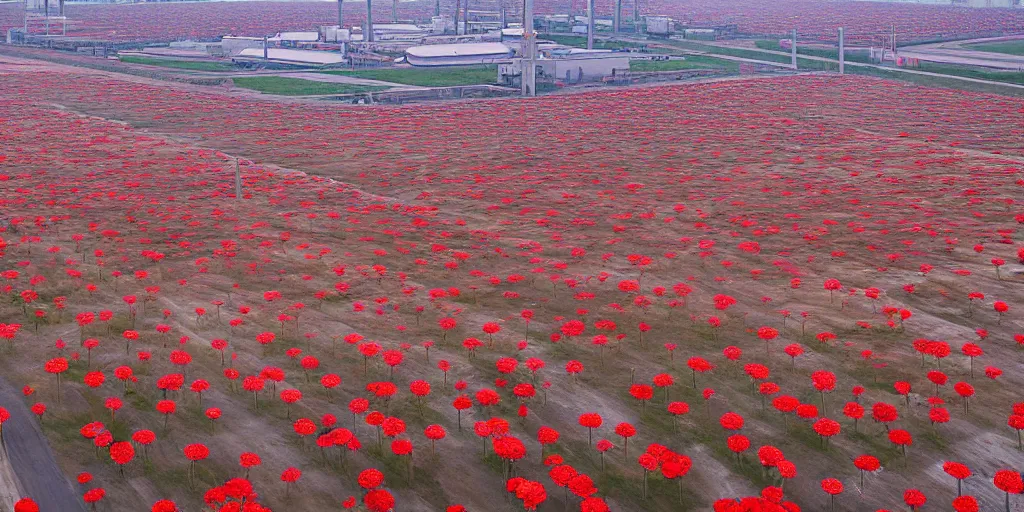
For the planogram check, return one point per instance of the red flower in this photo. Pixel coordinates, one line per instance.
(370, 478)
(832, 486)
(196, 452)
(914, 498)
(965, 504)
(590, 420)
(547, 435)
(867, 463)
(956, 470)
(731, 421)
(1008, 481)
(26, 505)
(94, 495)
(379, 500)
(122, 452)
(738, 443)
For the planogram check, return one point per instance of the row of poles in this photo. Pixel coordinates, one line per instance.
(842, 49)
(616, 23)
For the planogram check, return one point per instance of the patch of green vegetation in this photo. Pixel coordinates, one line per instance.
(1015, 47)
(429, 77)
(933, 81)
(691, 62)
(1012, 77)
(285, 86)
(662, 494)
(179, 64)
(581, 42)
(756, 55)
(851, 56)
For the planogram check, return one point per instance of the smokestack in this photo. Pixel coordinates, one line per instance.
(617, 20)
(458, 7)
(528, 75)
(369, 22)
(590, 24)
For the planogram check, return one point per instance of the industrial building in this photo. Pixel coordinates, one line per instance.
(458, 54)
(568, 66)
(290, 57)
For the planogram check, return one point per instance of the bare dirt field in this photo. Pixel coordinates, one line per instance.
(567, 255)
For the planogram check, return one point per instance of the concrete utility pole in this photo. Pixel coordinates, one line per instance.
(458, 7)
(465, 19)
(842, 52)
(369, 22)
(590, 24)
(238, 176)
(503, 25)
(394, 11)
(529, 77)
(340, 19)
(894, 43)
(793, 49)
(265, 51)
(617, 19)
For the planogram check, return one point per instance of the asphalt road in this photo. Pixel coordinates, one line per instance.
(30, 456)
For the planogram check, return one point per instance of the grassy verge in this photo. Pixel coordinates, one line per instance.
(931, 81)
(755, 55)
(1007, 47)
(179, 64)
(691, 62)
(814, 52)
(1011, 77)
(430, 77)
(297, 87)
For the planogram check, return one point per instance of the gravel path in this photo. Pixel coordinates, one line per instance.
(29, 455)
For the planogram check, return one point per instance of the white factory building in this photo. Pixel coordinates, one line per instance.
(458, 54)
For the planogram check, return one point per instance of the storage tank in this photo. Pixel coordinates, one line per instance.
(659, 25)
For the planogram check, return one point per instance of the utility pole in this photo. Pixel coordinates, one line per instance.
(894, 43)
(617, 19)
(842, 52)
(636, 16)
(529, 77)
(238, 178)
(369, 22)
(465, 20)
(265, 51)
(340, 19)
(793, 49)
(394, 11)
(458, 7)
(590, 24)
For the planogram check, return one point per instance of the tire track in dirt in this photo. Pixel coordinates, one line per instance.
(30, 456)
